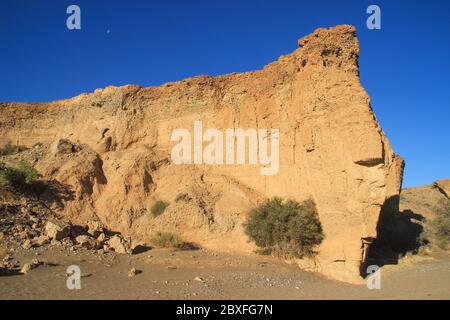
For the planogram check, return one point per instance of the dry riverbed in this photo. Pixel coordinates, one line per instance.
(203, 274)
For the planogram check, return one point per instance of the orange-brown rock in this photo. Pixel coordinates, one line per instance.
(112, 147)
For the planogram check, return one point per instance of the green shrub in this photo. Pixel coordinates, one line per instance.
(19, 177)
(167, 240)
(440, 226)
(9, 148)
(288, 229)
(158, 208)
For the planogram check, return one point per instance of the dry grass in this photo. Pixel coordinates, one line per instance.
(9, 148)
(19, 177)
(167, 240)
(440, 225)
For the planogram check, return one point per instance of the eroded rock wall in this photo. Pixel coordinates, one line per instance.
(332, 149)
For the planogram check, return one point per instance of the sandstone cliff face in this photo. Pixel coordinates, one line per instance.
(331, 149)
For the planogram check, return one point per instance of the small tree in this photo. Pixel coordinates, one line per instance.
(289, 228)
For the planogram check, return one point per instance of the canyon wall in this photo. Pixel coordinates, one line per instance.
(332, 150)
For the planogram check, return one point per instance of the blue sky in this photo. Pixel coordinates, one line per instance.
(405, 66)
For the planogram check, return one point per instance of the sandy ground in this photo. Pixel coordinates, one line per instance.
(202, 274)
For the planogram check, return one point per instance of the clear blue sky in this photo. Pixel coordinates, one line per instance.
(405, 66)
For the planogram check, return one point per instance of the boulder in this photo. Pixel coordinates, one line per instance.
(62, 146)
(119, 245)
(27, 267)
(95, 228)
(88, 242)
(101, 237)
(57, 230)
(41, 240)
(27, 244)
(133, 272)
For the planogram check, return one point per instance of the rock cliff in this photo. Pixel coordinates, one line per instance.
(112, 148)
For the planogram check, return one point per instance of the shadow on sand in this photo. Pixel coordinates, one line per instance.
(398, 233)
